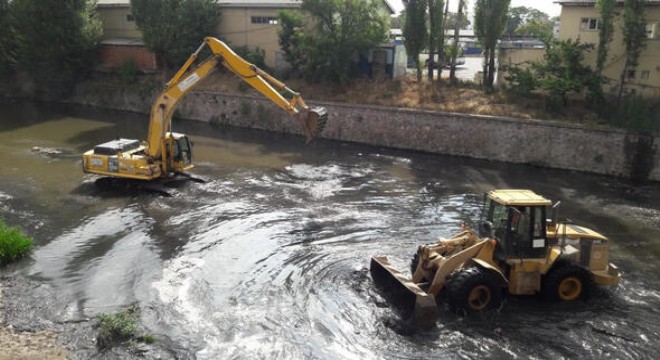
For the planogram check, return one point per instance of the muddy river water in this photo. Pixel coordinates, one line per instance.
(269, 258)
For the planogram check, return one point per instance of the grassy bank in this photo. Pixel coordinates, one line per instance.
(13, 243)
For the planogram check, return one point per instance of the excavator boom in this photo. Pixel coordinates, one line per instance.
(186, 79)
(164, 153)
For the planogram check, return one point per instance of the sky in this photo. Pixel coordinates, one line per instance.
(547, 6)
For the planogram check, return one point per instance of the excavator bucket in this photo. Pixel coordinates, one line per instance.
(415, 304)
(314, 122)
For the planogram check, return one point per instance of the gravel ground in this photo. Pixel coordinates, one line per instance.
(17, 345)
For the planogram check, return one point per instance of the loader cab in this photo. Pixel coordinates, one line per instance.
(179, 151)
(516, 219)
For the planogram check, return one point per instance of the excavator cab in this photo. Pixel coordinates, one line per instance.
(178, 151)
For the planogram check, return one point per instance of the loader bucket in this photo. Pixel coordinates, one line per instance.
(314, 122)
(415, 304)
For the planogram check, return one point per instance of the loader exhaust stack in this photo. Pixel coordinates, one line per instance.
(415, 304)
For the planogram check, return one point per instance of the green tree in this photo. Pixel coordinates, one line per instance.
(173, 29)
(7, 40)
(490, 21)
(291, 38)
(539, 28)
(634, 34)
(343, 30)
(561, 72)
(455, 46)
(414, 31)
(55, 42)
(457, 19)
(522, 15)
(605, 9)
(436, 36)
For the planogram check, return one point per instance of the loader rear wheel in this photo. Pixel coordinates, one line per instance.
(566, 283)
(472, 290)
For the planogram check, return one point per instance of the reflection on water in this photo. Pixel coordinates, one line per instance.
(269, 258)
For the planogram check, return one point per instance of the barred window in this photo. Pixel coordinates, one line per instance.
(269, 20)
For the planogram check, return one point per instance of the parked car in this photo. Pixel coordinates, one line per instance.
(446, 62)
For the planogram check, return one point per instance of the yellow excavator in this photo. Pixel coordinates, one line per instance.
(517, 251)
(166, 154)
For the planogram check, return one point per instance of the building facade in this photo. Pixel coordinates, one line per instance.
(580, 20)
(250, 23)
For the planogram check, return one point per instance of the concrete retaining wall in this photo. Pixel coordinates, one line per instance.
(542, 143)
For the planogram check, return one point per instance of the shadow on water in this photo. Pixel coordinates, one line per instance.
(269, 258)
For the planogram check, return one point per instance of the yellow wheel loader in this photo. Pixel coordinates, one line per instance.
(517, 250)
(166, 154)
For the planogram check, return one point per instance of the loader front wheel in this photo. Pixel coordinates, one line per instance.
(566, 283)
(472, 290)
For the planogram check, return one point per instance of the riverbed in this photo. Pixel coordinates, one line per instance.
(269, 258)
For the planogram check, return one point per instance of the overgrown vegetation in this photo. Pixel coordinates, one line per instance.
(53, 42)
(128, 71)
(635, 113)
(13, 243)
(119, 328)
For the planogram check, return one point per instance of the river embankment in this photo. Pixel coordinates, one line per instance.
(543, 143)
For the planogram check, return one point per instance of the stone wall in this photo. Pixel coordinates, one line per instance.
(542, 143)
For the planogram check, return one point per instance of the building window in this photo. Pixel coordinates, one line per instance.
(650, 30)
(588, 24)
(645, 74)
(130, 17)
(268, 20)
(630, 74)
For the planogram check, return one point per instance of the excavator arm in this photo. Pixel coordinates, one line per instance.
(313, 120)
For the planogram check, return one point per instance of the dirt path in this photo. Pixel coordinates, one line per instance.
(26, 345)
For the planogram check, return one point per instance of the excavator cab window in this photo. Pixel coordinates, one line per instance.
(181, 151)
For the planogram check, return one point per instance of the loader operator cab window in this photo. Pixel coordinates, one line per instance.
(527, 232)
(493, 220)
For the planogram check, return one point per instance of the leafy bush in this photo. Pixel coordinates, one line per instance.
(120, 327)
(636, 113)
(521, 79)
(561, 72)
(128, 71)
(13, 243)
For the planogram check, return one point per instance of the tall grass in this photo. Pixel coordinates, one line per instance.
(120, 327)
(637, 113)
(13, 243)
